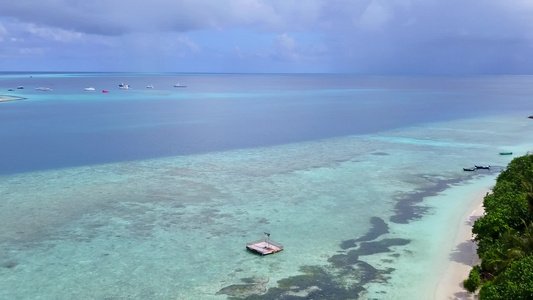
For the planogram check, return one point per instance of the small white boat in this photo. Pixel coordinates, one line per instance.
(89, 89)
(179, 85)
(124, 86)
(150, 86)
(44, 89)
(20, 87)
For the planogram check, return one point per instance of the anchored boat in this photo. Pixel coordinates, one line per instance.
(124, 86)
(483, 167)
(44, 89)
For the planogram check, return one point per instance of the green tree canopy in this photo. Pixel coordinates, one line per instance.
(504, 236)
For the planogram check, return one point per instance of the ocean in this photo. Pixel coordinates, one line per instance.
(153, 193)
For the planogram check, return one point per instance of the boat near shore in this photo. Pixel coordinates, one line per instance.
(177, 85)
(483, 167)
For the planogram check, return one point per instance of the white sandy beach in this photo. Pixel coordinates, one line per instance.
(463, 256)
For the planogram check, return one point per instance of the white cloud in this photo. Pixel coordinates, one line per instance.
(371, 33)
(184, 40)
(286, 47)
(31, 51)
(238, 52)
(3, 32)
(54, 34)
(285, 42)
(375, 15)
(113, 17)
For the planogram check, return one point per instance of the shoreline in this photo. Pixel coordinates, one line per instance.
(463, 256)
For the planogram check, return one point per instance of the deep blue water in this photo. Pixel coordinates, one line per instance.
(72, 127)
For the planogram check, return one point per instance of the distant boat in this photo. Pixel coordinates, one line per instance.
(20, 87)
(506, 153)
(150, 86)
(9, 89)
(179, 85)
(483, 167)
(124, 86)
(44, 89)
(89, 89)
(469, 169)
(104, 91)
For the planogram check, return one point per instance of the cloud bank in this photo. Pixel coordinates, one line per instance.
(363, 36)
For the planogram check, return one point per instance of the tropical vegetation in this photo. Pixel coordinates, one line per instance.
(504, 236)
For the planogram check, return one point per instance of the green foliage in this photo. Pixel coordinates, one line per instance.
(488, 229)
(514, 283)
(506, 209)
(517, 171)
(505, 236)
(494, 261)
(474, 280)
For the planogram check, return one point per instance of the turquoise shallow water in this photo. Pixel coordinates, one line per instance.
(362, 215)
(176, 227)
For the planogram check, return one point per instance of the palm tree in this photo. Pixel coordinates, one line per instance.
(527, 183)
(522, 243)
(515, 245)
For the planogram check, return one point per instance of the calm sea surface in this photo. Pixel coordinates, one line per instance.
(152, 193)
(72, 127)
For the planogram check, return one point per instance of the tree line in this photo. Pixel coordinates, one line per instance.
(504, 236)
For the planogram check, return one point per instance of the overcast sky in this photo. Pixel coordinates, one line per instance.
(354, 36)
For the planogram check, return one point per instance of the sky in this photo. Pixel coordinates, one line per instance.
(374, 37)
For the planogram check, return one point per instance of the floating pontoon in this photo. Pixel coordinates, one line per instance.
(264, 246)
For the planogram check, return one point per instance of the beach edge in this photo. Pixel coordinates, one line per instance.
(464, 254)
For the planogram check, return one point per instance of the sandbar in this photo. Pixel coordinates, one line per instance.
(5, 98)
